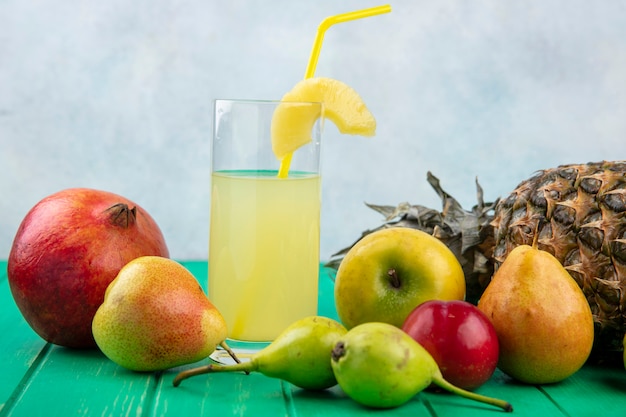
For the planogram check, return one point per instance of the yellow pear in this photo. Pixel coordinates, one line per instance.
(542, 319)
(156, 316)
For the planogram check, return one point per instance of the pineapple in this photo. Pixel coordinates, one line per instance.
(579, 213)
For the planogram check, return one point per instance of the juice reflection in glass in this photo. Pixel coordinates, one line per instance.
(264, 231)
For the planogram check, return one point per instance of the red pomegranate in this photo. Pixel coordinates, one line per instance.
(67, 250)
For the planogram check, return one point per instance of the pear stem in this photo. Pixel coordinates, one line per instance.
(230, 352)
(246, 367)
(535, 243)
(212, 367)
(442, 383)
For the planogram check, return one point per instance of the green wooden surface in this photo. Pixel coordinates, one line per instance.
(38, 379)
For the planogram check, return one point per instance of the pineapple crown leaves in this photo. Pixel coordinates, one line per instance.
(460, 229)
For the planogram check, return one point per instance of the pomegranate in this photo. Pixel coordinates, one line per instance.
(67, 250)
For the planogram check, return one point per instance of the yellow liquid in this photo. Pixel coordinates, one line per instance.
(263, 251)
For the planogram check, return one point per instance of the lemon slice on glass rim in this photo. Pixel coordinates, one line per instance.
(292, 122)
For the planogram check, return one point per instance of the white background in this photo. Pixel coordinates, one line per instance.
(117, 95)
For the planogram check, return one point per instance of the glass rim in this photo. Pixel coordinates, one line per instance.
(264, 101)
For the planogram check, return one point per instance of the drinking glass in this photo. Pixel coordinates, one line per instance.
(264, 230)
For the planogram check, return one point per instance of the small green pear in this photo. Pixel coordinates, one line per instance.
(541, 316)
(379, 365)
(299, 355)
(156, 316)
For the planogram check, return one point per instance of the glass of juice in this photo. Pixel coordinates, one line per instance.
(264, 229)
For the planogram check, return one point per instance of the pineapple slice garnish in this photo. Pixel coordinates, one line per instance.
(292, 124)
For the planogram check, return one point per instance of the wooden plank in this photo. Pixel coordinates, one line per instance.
(71, 382)
(20, 346)
(526, 400)
(334, 402)
(219, 395)
(595, 390)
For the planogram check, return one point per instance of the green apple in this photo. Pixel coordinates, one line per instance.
(389, 272)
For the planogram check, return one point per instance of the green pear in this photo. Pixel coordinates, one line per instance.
(379, 365)
(541, 316)
(156, 316)
(299, 355)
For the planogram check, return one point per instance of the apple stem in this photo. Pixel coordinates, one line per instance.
(394, 278)
(442, 383)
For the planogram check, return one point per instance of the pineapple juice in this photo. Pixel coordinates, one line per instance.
(264, 250)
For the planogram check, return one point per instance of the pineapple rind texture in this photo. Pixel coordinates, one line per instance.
(579, 212)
